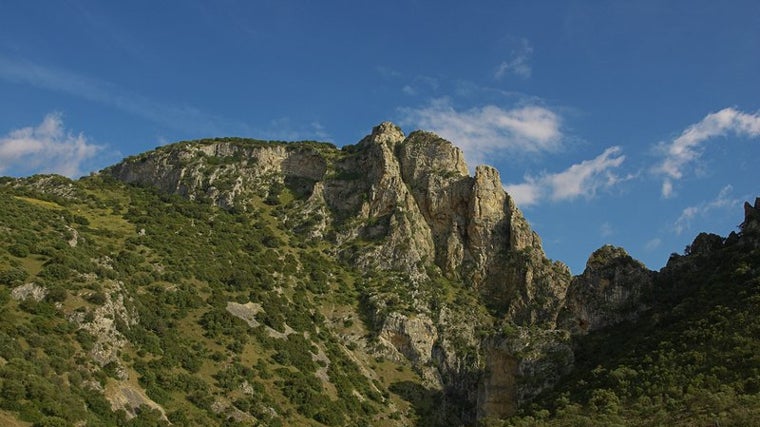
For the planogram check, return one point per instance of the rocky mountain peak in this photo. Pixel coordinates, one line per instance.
(385, 133)
(425, 153)
(606, 256)
(405, 206)
(614, 287)
(751, 217)
(343, 268)
(411, 195)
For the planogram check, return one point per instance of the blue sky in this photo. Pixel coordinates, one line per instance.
(630, 123)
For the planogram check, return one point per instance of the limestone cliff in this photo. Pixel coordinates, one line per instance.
(223, 170)
(412, 195)
(401, 204)
(377, 284)
(522, 362)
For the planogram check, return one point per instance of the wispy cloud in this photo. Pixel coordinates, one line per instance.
(684, 221)
(45, 148)
(105, 93)
(686, 148)
(723, 201)
(528, 193)
(388, 72)
(606, 230)
(421, 84)
(486, 130)
(652, 244)
(285, 129)
(518, 63)
(582, 179)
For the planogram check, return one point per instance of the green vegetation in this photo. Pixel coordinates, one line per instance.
(163, 269)
(255, 314)
(694, 359)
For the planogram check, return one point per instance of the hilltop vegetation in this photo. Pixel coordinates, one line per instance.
(693, 359)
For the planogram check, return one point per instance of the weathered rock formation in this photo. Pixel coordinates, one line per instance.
(521, 363)
(751, 223)
(29, 290)
(411, 194)
(614, 287)
(441, 268)
(402, 204)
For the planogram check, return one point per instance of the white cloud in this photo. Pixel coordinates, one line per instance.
(606, 230)
(420, 84)
(582, 179)
(526, 194)
(686, 149)
(285, 129)
(45, 148)
(518, 62)
(684, 221)
(653, 244)
(59, 80)
(483, 131)
(724, 200)
(387, 72)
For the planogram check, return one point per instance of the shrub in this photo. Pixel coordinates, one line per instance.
(56, 294)
(19, 250)
(97, 298)
(12, 276)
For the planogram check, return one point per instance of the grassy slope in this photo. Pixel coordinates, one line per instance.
(691, 360)
(188, 353)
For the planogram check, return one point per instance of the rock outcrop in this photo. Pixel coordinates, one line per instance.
(331, 272)
(126, 396)
(614, 287)
(411, 195)
(395, 203)
(751, 223)
(223, 170)
(29, 290)
(102, 322)
(521, 363)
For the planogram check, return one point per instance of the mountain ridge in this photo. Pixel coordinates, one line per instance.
(433, 277)
(417, 187)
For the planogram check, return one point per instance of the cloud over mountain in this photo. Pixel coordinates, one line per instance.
(483, 131)
(686, 149)
(582, 179)
(45, 148)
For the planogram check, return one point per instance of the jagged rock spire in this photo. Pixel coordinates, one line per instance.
(385, 133)
(751, 216)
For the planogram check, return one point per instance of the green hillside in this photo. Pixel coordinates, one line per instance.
(693, 359)
(158, 275)
(202, 302)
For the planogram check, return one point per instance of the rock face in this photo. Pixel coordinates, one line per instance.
(614, 287)
(29, 290)
(751, 224)
(102, 324)
(401, 204)
(130, 398)
(521, 364)
(412, 194)
(221, 170)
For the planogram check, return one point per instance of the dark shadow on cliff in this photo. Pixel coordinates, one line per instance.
(428, 404)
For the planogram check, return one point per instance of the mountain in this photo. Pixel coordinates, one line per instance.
(234, 281)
